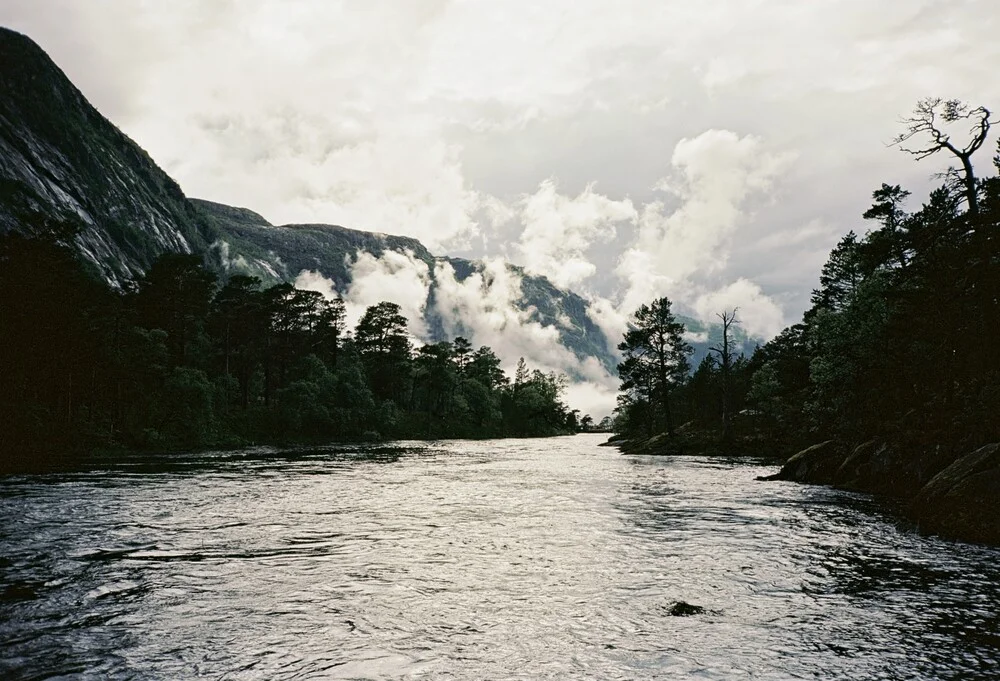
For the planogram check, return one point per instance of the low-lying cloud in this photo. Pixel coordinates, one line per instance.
(400, 278)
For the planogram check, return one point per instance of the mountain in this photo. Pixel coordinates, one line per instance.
(61, 159)
(61, 162)
(247, 243)
(253, 245)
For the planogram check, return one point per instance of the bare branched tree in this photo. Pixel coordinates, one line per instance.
(726, 358)
(926, 134)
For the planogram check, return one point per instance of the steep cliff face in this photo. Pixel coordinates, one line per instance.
(60, 159)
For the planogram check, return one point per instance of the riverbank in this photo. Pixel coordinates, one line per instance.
(69, 459)
(955, 495)
(691, 440)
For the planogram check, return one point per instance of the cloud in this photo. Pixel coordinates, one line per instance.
(434, 119)
(717, 179)
(310, 280)
(485, 308)
(558, 231)
(759, 315)
(714, 175)
(399, 278)
(596, 399)
(609, 319)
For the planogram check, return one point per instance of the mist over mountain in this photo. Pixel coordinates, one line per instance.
(62, 161)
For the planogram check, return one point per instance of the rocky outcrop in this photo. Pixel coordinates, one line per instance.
(957, 498)
(694, 439)
(62, 161)
(816, 464)
(963, 500)
(889, 468)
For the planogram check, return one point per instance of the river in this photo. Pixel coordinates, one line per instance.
(516, 559)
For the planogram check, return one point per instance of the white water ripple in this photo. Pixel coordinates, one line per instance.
(517, 559)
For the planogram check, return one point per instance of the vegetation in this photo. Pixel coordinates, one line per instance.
(183, 361)
(655, 365)
(898, 343)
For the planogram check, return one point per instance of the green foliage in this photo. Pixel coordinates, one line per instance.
(182, 363)
(655, 364)
(898, 340)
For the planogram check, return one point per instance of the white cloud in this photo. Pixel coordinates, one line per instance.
(609, 319)
(679, 253)
(399, 278)
(484, 306)
(759, 315)
(430, 118)
(558, 231)
(714, 175)
(308, 280)
(596, 399)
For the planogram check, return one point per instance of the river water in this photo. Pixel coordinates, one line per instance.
(517, 559)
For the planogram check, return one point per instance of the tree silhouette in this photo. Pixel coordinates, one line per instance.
(927, 126)
(655, 357)
(726, 357)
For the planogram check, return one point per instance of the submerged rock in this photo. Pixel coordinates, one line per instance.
(682, 609)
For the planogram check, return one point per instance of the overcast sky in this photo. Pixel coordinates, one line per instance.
(713, 151)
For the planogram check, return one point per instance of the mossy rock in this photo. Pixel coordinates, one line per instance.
(963, 500)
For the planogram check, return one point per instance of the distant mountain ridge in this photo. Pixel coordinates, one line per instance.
(250, 244)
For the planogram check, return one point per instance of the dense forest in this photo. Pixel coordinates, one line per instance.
(900, 341)
(183, 360)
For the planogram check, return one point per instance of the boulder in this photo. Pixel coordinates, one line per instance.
(657, 445)
(817, 464)
(855, 472)
(963, 500)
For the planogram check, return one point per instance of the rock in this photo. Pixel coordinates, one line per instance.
(856, 468)
(682, 609)
(898, 469)
(817, 464)
(660, 444)
(963, 500)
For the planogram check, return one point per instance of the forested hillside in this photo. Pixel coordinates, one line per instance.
(186, 361)
(892, 373)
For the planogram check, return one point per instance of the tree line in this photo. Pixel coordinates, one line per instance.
(184, 360)
(900, 340)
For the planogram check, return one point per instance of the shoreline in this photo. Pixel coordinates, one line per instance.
(953, 496)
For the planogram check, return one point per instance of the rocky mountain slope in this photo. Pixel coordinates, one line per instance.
(61, 159)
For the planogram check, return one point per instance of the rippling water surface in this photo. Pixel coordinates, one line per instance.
(476, 560)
